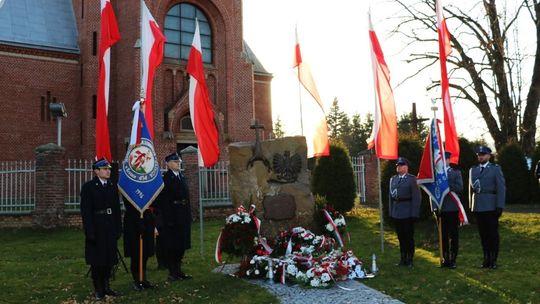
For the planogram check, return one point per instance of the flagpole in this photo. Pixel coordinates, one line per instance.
(141, 253)
(300, 103)
(437, 213)
(299, 82)
(381, 220)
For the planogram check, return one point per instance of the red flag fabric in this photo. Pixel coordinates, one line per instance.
(152, 43)
(109, 35)
(202, 115)
(450, 134)
(384, 136)
(315, 119)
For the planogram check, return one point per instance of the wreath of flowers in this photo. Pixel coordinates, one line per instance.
(335, 224)
(294, 256)
(237, 237)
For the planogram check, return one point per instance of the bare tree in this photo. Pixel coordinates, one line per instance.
(486, 65)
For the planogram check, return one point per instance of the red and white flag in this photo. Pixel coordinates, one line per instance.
(200, 107)
(316, 129)
(109, 35)
(450, 134)
(152, 42)
(384, 136)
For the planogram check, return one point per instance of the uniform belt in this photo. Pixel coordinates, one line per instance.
(180, 202)
(402, 199)
(487, 192)
(107, 211)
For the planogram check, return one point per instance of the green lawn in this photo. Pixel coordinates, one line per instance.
(48, 267)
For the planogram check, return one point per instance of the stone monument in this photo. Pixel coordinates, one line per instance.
(272, 175)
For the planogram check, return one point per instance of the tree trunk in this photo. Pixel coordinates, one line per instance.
(528, 128)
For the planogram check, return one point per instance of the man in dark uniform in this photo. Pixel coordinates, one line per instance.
(134, 228)
(450, 217)
(174, 219)
(100, 212)
(537, 171)
(488, 189)
(404, 208)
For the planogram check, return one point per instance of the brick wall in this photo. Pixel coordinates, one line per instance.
(371, 178)
(27, 74)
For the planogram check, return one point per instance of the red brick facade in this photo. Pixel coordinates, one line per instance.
(29, 78)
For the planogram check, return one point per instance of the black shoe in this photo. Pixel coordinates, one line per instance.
(493, 265)
(100, 295)
(173, 278)
(108, 291)
(184, 276)
(111, 292)
(147, 285)
(137, 286)
(451, 265)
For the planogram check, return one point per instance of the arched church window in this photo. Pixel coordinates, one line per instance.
(179, 30)
(185, 123)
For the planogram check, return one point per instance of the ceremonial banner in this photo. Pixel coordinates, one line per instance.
(450, 133)
(384, 136)
(432, 176)
(140, 180)
(200, 107)
(152, 43)
(316, 131)
(108, 36)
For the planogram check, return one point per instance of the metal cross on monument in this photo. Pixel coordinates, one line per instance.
(257, 149)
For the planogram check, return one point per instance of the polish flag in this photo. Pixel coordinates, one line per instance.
(152, 41)
(450, 134)
(200, 107)
(384, 136)
(313, 111)
(109, 35)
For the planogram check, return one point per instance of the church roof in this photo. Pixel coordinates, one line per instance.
(257, 65)
(48, 25)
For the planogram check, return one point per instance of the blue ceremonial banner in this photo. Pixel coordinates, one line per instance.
(140, 180)
(432, 176)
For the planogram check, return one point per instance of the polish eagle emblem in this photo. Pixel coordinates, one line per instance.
(287, 167)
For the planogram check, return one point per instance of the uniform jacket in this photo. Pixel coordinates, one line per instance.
(455, 181)
(134, 226)
(173, 212)
(404, 197)
(100, 212)
(488, 188)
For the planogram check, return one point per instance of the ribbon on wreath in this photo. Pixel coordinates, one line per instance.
(254, 217)
(336, 231)
(217, 253)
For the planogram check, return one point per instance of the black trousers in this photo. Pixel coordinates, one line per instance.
(100, 272)
(488, 227)
(450, 234)
(405, 233)
(160, 252)
(134, 266)
(173, 259)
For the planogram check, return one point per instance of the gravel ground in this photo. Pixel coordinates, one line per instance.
(360, 293)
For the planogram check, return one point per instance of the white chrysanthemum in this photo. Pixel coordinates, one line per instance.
(340, 221)
(292, 270)
(329, 227)
(310, 273)
(325, 277)
(248, 272)
(252, 261)
(247, 220)
(257, 272)
(315, 282)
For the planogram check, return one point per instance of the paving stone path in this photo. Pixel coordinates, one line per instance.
(360, 293)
